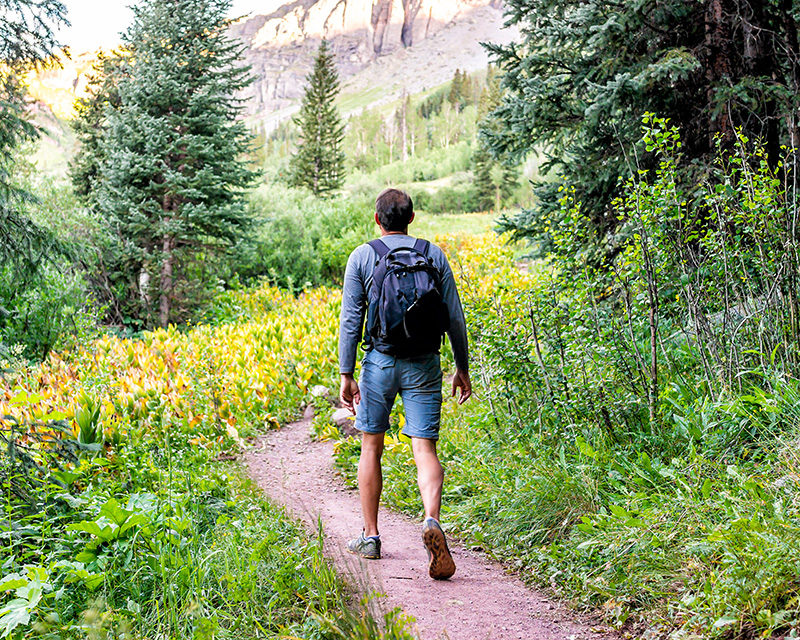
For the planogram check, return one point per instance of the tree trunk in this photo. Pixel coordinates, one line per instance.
(792, 54)
(653, 400)
(165, 301)
(719, 66)
(404, 125)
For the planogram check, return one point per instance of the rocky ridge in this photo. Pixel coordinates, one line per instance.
(380, 46)
(382, 49)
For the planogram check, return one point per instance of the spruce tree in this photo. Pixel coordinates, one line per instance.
(318, 164)
(456, 94)
(170, 180)
(27, 41)
(583, 75)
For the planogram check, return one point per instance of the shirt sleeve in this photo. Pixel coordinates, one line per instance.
(351, 320)
(458, 325)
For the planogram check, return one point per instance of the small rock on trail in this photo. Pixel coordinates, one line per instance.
(480, 602)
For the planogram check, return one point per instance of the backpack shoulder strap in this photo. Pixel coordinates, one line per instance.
(422, 246)
(380, 246)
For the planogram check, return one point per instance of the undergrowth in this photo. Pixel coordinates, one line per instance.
(122, 517)
(632, 445)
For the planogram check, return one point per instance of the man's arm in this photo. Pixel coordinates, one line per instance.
(351, 322)
(457, 332)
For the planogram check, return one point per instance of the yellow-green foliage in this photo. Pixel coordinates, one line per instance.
(210, 380)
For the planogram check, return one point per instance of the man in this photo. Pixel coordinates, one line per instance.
(417, 379)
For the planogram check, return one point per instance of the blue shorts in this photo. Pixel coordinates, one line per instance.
(419, 383)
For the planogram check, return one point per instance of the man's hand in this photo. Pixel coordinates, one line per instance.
(349, 393)
(461, 381)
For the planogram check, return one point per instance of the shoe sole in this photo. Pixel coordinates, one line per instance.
(441, 565)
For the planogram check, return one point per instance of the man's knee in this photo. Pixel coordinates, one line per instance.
(372, 445)
(423, 446)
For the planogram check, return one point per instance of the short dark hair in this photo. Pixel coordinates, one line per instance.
(394, 209)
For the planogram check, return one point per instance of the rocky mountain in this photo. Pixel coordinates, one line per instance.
(382, 47)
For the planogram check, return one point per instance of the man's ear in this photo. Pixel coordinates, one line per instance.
(378, 222)
(413, 215)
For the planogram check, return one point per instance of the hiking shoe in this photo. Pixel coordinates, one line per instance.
(369, 548)
(440, 563)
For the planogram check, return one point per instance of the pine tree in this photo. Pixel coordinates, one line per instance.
(457, 90)
(585, 73)
(27, 40)
(318, 164)
(494, 180)
(170, 180)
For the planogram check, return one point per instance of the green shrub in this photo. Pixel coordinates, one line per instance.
(51, 310)
(153, 536)
(301, 241)
(50, 305)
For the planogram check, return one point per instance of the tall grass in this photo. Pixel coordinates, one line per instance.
(122, 518)
(685, 524)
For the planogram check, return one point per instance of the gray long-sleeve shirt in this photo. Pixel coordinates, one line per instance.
(357, 282)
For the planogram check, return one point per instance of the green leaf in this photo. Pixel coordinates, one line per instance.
(12, 582)
(725, 621)
(12, 615)
(67, 477)
(706, 489)
(90, 555)
(90, 526)
(114, 512)
(619, 512)
(585, 448)
(23, 398)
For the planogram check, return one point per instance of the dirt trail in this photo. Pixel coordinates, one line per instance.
(480, 602)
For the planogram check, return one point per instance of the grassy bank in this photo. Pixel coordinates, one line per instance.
(122, 518)
(688, 527)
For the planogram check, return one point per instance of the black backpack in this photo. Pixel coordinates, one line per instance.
(406, 316)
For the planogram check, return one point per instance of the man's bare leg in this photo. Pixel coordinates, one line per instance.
(430, 476)
(370, 480)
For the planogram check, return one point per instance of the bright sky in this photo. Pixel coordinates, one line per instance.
(99, 24)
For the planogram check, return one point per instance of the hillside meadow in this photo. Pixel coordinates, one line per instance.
(124, 514)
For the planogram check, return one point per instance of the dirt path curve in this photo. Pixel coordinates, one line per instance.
(480, 602)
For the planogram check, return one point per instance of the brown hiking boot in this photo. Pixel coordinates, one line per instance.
(440, 563)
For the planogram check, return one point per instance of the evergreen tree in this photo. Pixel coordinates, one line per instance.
(318, 164)
(456, 94)
(584, 74)
(169, 178)
(461, 90)
(494, 179)
(27, 41)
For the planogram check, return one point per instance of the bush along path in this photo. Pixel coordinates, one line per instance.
(120, 517)
(482, 601)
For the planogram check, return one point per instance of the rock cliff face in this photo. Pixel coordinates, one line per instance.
(282, 45)
(382, 47)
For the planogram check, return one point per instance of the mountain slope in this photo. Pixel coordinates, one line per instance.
(381, 47)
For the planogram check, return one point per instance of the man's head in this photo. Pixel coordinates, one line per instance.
(394, 210)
